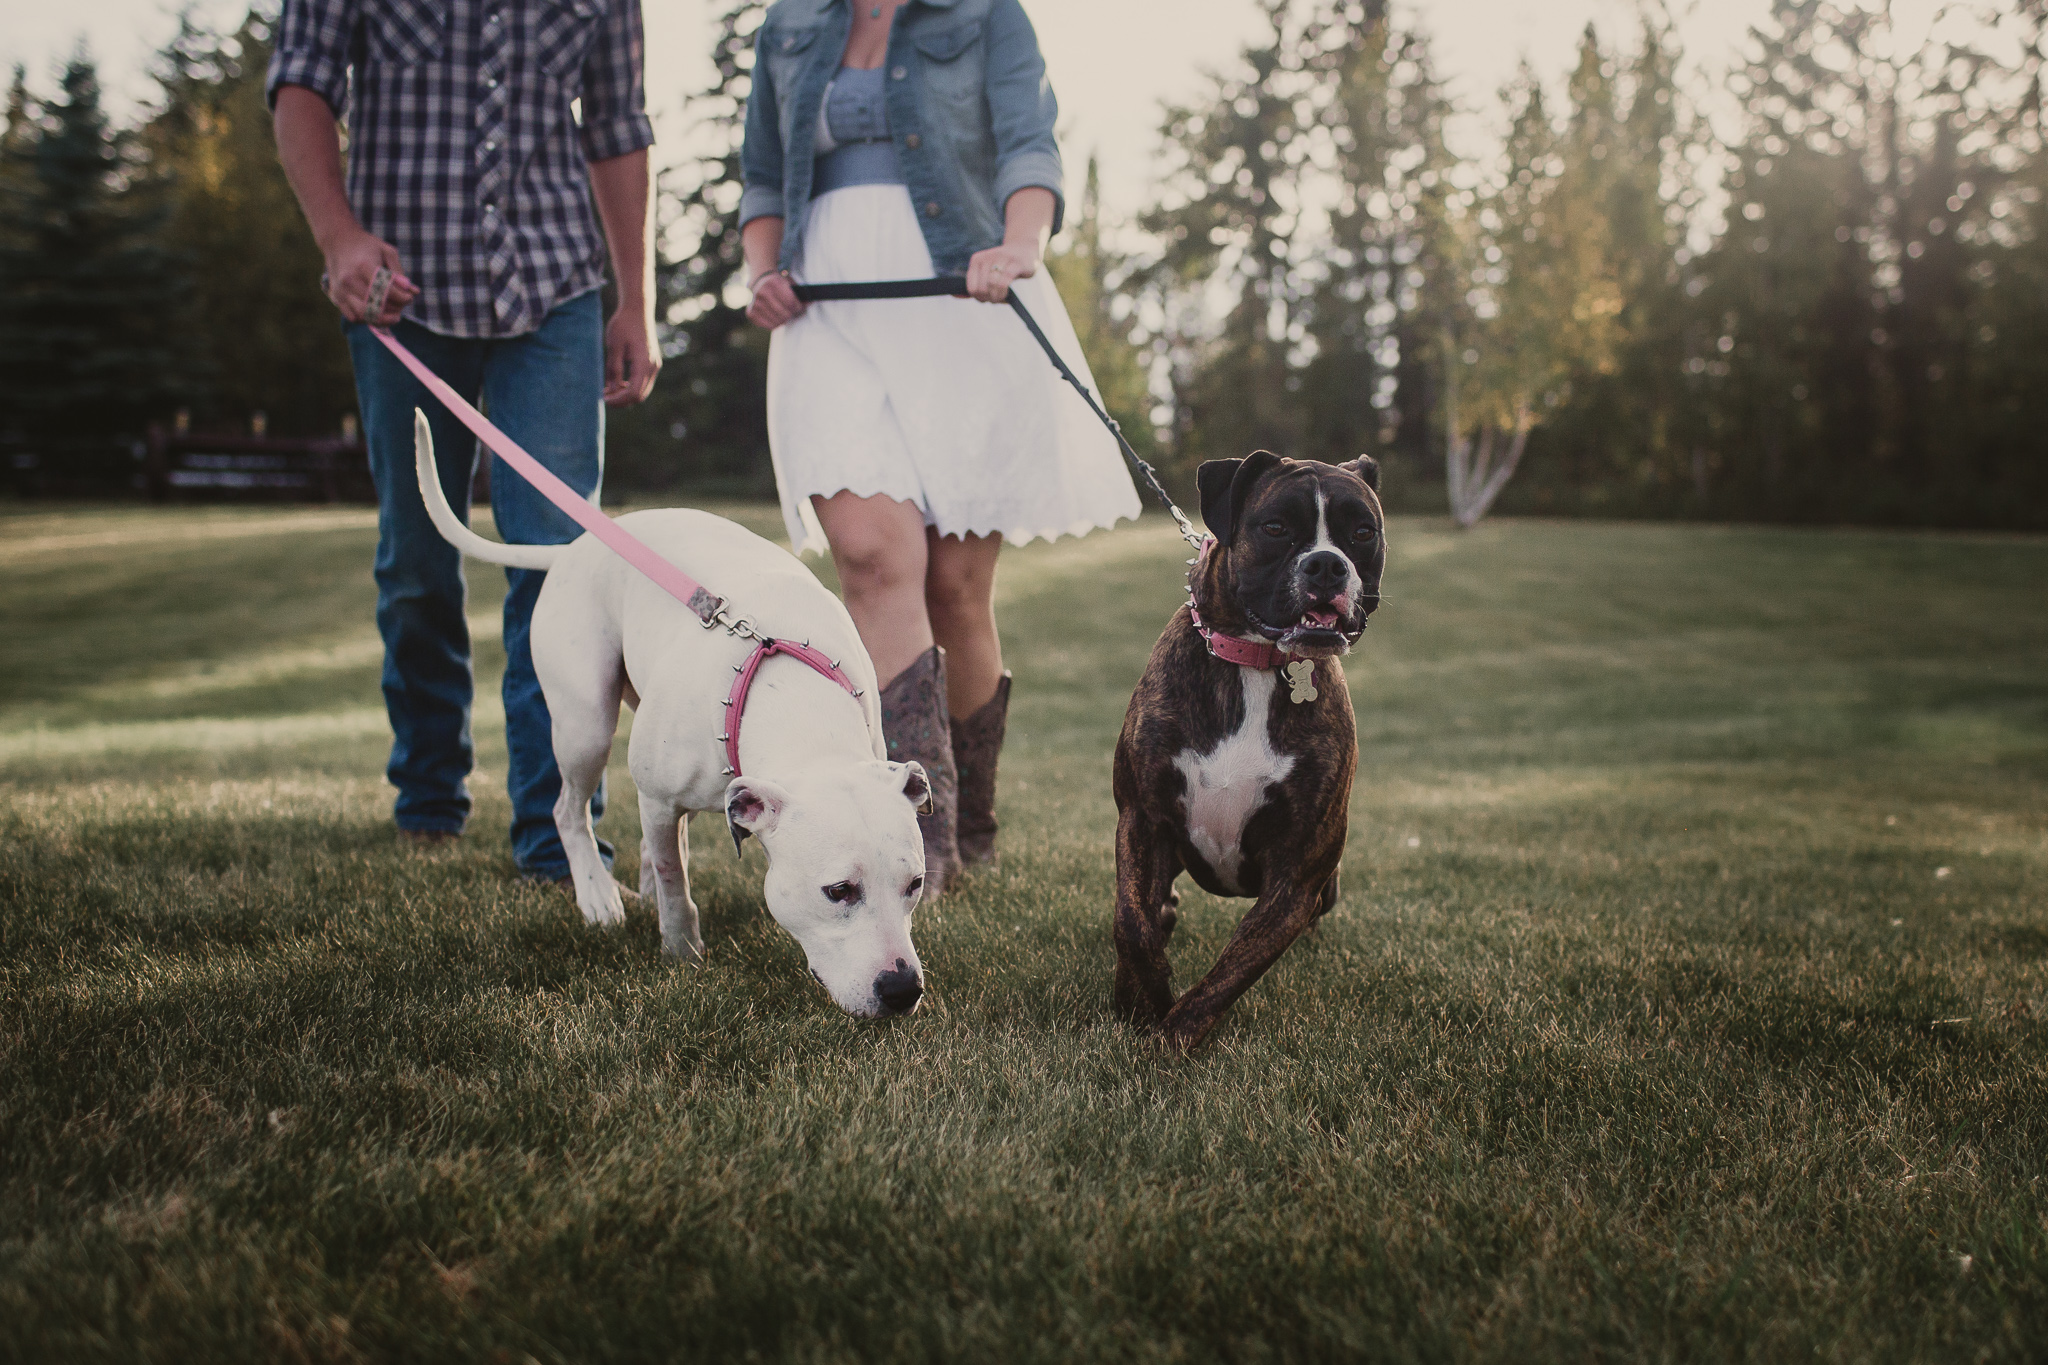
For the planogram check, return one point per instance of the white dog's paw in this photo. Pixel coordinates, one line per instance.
(688, 951)
(602, 905)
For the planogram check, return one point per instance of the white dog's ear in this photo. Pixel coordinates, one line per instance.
(752, 806)
(917, 787)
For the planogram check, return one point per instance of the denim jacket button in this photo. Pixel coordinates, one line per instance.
(913, 141)
(932, 209)
(899, 73)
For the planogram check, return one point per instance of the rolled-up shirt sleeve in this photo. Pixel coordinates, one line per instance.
(312, 50)
(1023, 110)
(615, 120)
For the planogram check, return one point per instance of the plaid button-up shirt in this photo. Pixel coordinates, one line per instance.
(465, 151)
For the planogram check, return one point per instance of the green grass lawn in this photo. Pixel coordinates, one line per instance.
(1688, 998)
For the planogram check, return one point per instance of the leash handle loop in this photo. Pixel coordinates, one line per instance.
(943, 286)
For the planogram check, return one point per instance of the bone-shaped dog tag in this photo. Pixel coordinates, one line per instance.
(1301, 676)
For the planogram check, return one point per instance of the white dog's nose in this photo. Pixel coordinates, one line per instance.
(899, 989)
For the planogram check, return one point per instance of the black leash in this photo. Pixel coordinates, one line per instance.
(956, 286)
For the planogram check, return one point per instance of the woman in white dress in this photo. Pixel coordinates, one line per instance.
(887, 141)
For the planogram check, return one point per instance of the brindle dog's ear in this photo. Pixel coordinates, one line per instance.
(1224, 486)
(1367, 468)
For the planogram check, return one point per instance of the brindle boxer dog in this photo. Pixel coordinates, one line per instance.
(1237, 754)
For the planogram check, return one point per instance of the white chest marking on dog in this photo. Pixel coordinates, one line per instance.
(1227, 785)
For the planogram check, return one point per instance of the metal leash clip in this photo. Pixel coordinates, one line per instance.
(741, 628)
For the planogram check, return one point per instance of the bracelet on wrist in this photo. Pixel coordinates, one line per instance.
(755, 283)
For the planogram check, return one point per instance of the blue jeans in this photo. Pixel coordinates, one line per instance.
(546, 390)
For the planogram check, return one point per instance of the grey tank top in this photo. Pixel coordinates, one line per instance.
(854, 145)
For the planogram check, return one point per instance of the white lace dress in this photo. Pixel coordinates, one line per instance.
(945, 403)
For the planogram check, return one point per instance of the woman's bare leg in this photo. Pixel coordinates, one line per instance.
(959, 599)
(878, 546)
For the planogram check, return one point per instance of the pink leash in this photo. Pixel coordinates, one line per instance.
(704, 604)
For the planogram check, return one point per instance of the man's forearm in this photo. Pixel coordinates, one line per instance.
(623, 187)
(309, 146)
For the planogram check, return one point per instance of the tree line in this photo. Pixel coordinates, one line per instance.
(1836, 313)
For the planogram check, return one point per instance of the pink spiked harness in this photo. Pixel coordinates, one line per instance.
(705, 605)
(743, 683)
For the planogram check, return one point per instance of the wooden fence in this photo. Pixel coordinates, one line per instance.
(196, 467)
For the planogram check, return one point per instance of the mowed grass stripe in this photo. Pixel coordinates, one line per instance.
(1688, 1000)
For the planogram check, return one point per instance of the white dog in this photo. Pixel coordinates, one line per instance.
(839, 822)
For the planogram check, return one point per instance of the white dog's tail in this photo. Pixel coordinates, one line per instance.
(450, 525)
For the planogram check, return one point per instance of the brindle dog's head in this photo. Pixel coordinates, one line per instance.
(1300, 546)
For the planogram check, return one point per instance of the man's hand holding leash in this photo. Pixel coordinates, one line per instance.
(365, 279)
(310, 148)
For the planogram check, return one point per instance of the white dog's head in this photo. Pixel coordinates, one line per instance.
(845, 869)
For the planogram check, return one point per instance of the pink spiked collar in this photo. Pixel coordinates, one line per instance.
(1233, 650)
(1229, 648)
(736, 704)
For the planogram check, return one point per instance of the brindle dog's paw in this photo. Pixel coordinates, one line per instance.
(1133, 1004)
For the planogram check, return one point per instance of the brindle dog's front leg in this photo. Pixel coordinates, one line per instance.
(1146, 865)
(1275, 921)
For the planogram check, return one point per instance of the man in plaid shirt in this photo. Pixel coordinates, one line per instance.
(480, 133)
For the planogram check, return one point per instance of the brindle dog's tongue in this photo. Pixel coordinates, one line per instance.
(1327, 620)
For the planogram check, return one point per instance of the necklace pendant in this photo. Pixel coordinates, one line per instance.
(875, 13)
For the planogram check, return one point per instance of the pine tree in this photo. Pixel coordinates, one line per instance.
(1367, 382)
(1877, 207)
(1617, 436)
(1091, 276)
(14, 140)
(1229, 230)
(88, 298)
(17, 144)
(261, 335)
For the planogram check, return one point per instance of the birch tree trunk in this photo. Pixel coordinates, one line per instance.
(1473, 476)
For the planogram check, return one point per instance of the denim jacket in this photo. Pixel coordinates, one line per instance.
(969, 108)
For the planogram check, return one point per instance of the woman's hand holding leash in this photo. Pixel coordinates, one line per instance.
(775, 301)
(1027, 227)
(990, 273)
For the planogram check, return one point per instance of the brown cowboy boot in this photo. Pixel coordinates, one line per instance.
(917, 728)
(976, 743)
